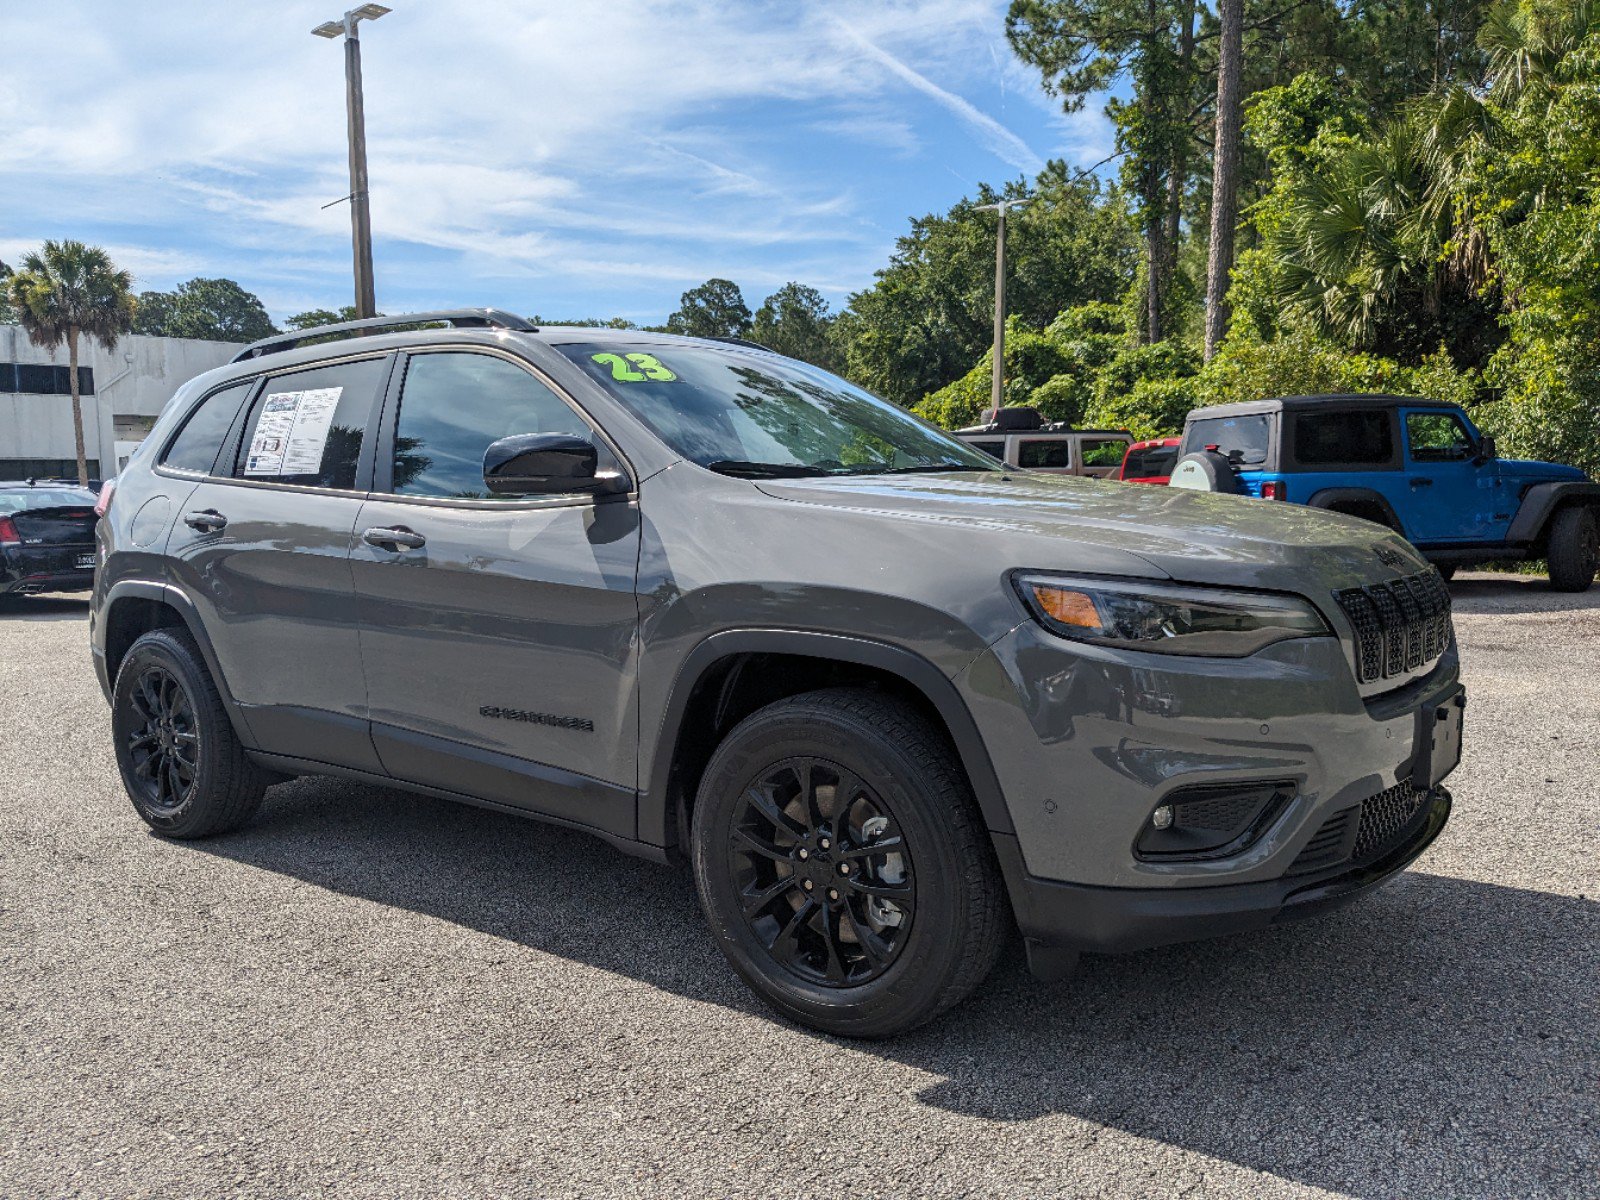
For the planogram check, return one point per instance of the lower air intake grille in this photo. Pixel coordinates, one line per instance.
(1330, 845)
(1383, 817)
(1400, 625)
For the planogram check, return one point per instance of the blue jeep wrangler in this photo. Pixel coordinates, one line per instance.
(1418, 466)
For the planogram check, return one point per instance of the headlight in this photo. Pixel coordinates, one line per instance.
(1168, 620)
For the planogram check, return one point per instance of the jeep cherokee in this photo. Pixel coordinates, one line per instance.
(886, 695)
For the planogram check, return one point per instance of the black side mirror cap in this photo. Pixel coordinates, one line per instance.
(547, 464)
(1487, 451)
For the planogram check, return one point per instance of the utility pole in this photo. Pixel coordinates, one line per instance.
(999, 371)
(355, 113)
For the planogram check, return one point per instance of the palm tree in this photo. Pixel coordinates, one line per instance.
(67, 290)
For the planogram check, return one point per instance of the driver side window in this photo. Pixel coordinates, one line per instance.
(452, 406)
(1437, 437)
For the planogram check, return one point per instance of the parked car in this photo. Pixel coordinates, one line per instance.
(1021, 437)
(46, 537)
(1418, 467)
(884, 694)
(1149, 461)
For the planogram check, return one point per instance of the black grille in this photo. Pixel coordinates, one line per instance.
(1399, 625)
(1223, 813)
(1383, 817)
(1330, 845)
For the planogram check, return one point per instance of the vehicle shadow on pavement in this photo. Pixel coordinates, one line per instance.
(44, 608)
(1437, 1038)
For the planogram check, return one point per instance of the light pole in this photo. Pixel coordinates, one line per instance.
(999, 371)
(360, 213)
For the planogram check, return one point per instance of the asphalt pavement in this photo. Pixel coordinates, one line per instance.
(367, 993)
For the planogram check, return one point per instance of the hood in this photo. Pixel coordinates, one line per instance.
(1045, 522)
(1527, 468)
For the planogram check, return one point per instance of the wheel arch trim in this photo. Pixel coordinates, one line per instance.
(1540, 502)
(174, 598)
(1328, 497)
(657, 818)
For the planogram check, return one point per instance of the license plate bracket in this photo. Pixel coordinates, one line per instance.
(1438, 740)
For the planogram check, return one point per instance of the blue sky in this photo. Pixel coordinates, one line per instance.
(565, 159)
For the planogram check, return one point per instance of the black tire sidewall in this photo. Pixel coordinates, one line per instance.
(173, 654)
(1571, 528)
(912, 988)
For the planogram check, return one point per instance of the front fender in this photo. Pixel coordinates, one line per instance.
(1542, 499)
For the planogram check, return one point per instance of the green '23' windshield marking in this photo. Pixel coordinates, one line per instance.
(634, 368)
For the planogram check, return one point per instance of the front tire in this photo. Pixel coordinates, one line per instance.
(181, 763)
(842, 864)
(1574, 552)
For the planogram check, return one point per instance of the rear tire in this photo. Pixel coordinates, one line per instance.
(181, 763)
(827, 932)
(1574, 552)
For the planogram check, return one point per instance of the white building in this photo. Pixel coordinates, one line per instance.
(124, 390)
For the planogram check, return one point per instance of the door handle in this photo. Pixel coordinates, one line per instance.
(396, 537)
(207, 520)
(1422, 483)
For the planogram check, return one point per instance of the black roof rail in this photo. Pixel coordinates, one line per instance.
(745, 342)
(460, 318)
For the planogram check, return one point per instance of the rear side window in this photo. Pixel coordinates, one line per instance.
(306, 428)
(196, 446)
(1437, 437)
(1037, 452)
(1250, 435)
(1105, 453)
(453, 406)
(1360, 437)
(996, 447)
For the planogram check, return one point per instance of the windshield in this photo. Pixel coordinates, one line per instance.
(758, 415)
(25, 498)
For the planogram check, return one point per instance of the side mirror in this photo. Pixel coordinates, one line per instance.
(1487, 451)
(546, 464)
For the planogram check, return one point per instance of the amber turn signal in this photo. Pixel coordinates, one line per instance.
(1067, 607)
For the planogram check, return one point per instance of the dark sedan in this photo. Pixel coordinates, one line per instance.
(46, 538)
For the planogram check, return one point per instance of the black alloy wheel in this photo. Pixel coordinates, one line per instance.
(823, 872)
(163, 741)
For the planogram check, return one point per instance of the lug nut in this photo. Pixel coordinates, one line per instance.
(844, 868)
(833, 893)
(804, 854)
(807, 884)
(824, 843)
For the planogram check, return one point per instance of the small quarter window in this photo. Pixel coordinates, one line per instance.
(1104, 453)
(196, 446)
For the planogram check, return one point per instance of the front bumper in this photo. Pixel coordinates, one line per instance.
(1075, 917)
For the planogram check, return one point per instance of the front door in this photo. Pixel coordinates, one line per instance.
(1453, 496)
(499, 636)
(262, 547)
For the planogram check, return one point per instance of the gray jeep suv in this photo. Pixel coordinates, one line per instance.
(886, 695)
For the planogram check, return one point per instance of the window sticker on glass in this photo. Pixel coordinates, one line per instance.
(635, 368)
(292, 432)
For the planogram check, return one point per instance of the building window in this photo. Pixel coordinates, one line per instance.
(44, 379)
(45, 468)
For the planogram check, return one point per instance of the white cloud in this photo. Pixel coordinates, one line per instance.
(642, 139)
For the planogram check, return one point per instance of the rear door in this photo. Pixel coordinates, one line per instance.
(262, 546)
(499, 642)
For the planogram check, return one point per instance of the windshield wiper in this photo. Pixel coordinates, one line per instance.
(938, 466)
(760, 470)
